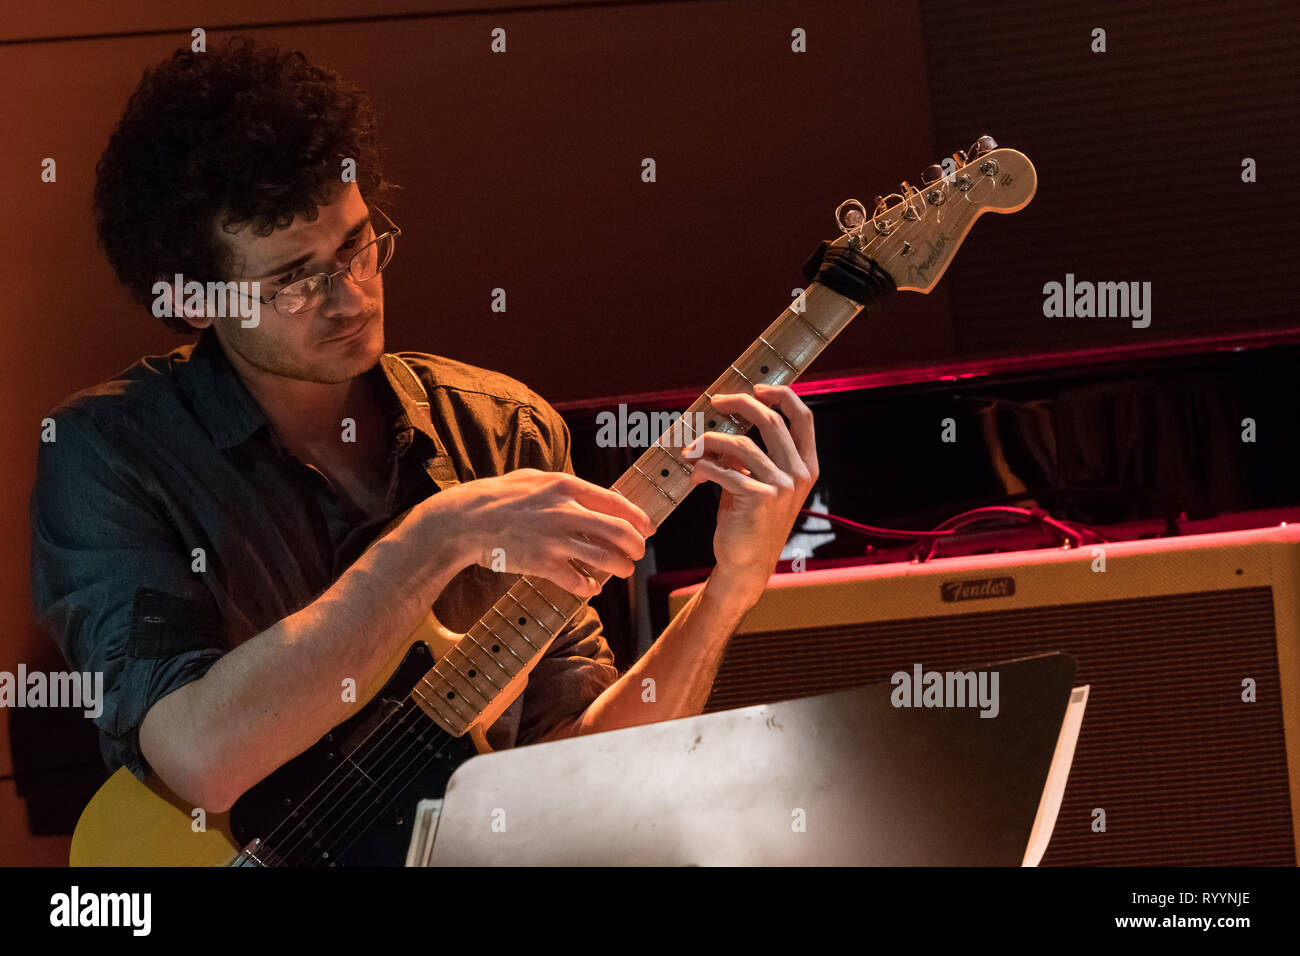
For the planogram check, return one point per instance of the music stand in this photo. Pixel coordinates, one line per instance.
(837, 779)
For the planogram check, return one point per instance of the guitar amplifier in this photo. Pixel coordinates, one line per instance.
(1190, 744)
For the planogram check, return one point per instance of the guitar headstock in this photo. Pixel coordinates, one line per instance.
(913, 234)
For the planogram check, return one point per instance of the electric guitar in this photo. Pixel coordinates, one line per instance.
(350, 799)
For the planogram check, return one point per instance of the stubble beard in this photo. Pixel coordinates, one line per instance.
(272, 358)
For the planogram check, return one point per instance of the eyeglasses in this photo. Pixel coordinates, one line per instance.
(303, 295)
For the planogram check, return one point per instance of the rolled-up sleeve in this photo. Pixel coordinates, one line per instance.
(112, 584)
(579, 665)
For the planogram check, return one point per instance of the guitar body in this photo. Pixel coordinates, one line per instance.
(384, 839)
(129, 823)
(134, 823)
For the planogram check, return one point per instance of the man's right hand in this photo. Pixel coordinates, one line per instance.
(538, 519)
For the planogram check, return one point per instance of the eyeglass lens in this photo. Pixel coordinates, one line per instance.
(308, 293)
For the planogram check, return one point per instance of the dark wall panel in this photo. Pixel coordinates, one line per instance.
(1139, 153)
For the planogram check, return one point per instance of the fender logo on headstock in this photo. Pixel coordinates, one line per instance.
(919, 269)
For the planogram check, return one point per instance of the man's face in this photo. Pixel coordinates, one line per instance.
(337, 340)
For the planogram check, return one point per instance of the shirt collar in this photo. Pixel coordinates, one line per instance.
(220, 399)
(231, 415)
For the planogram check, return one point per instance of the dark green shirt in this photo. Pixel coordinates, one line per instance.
(175, 455)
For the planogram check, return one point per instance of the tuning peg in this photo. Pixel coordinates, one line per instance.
(959, 157)
(985, 144)
(931, 174)
(849, 215)
(904, 188)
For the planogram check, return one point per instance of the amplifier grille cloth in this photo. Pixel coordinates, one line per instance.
(1187, 773)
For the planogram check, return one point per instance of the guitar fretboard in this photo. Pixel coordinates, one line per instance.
(512, 636)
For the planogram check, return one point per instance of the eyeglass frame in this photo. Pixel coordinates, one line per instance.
(395, 232)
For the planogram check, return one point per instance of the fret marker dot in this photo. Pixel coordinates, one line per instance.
(451, 695)
(472, 672)
(495, 648)
(763, 369)
(663, 473)
(712, 423)
(523, 620)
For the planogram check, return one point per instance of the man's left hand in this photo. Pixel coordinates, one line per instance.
(761, 493)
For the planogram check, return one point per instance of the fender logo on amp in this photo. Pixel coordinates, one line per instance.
(979, 588)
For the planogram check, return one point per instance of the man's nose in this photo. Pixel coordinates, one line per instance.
(345, 297)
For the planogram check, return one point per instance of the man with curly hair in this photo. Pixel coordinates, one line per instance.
(232, 530)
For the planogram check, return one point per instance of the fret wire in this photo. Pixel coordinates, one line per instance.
(654, 483)
(516, 629)
(493, 658)
(452, 700)
(816, 331)
(735, 421)
(481, 648)
(511, 594)
(542, 596)
(469, 680)
(502, 642)
(742, 375)
(682, 426)
(788, 364)
(687, 428)
(680, 464)
(476, 666)
(440, 698)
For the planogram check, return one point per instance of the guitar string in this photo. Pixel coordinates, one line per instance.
(304, 822)
(398, 721)
(395, 764)
(331, 845)
(342, 814)
(300, 818)
(406, 774)
(394, 726)
(400, 768)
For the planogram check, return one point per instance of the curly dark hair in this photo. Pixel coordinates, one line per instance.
(243, 132)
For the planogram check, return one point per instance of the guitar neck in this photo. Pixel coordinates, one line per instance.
(904, 245)
(475, 682)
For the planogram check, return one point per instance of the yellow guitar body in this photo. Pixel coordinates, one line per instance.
(130, 823)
